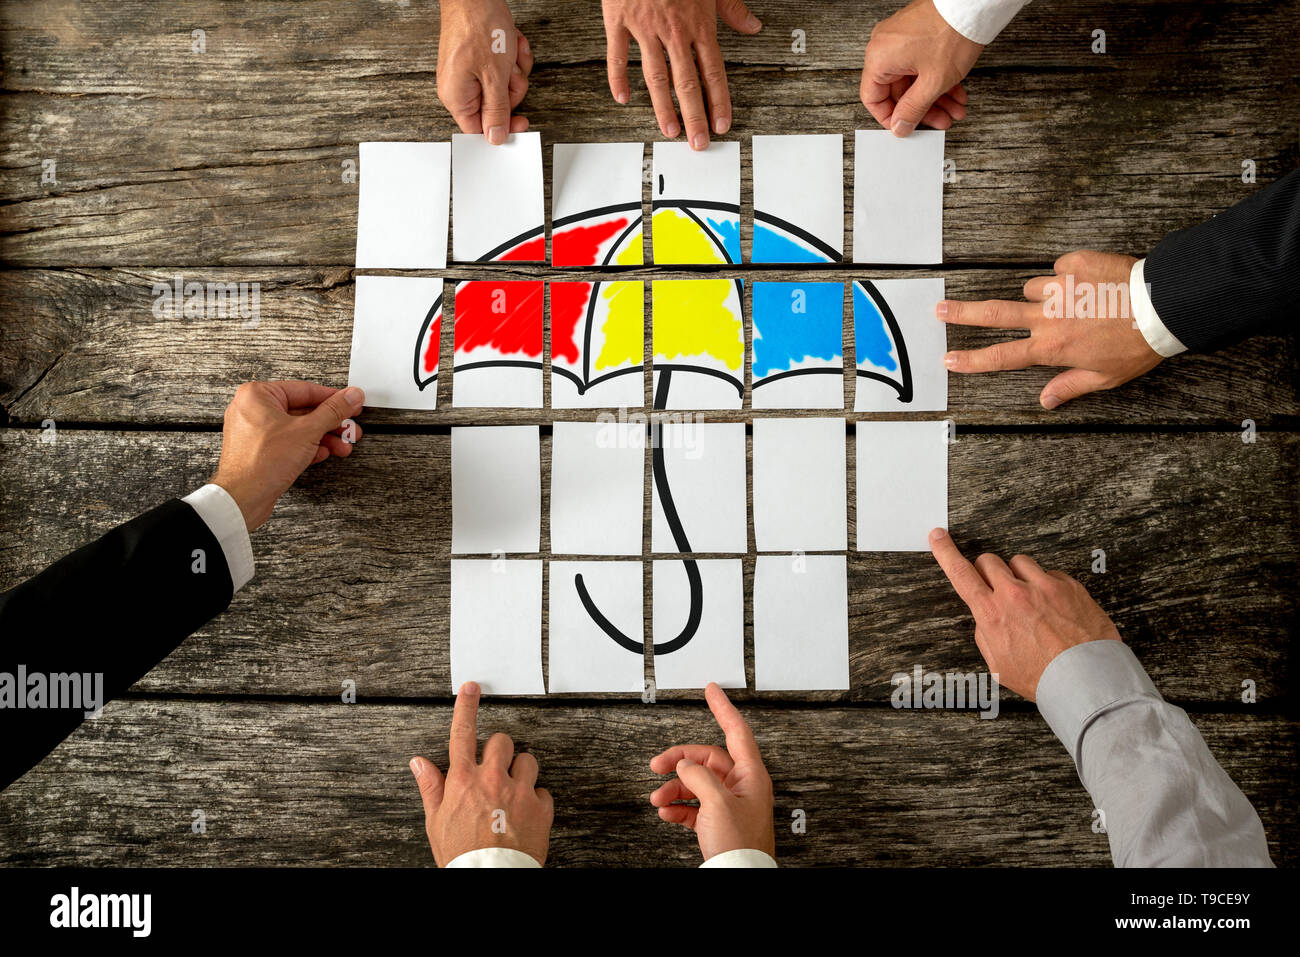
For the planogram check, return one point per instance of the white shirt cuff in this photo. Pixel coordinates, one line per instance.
(494, 857)
(220, 513)
(1084, 682)
(742, 857)
(979, 20)
(1155, 332)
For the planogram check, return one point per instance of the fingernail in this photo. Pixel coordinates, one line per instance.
(903, 127)
(699, 142)
(941, 309)
(354, 397)
(1050, 401)
(497, 135)
(622, 98)
(469, 688)
(938, 535)
(672, 131)
(950, 360)
(721, 125)
(684, 763)
(415, 767)
(753, 23)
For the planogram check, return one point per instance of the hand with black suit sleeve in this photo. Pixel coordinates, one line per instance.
(1109, 318)
(92, 624)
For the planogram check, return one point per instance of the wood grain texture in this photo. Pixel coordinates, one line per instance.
(86, 346)
(353, 571)
(227, 165)
(234, 156)
(288, 783)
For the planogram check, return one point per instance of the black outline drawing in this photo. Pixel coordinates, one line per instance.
(687, 207)
(435, 312)
(491, 363)
(492, 254)
(586, 382)
(903, 387)
(835, 256)
(593, 214)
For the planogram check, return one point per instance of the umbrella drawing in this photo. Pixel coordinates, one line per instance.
(705, 335)
(697, 330)
(693, 230)
(608, 236)
(881, 351)
(501, 322)
(779, 241)
(426, 347)
(798, 330)
(597, 334)
(528, 247)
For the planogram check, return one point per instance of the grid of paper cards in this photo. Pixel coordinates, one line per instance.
(655, 511)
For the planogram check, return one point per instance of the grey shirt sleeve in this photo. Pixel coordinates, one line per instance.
(1164, 799)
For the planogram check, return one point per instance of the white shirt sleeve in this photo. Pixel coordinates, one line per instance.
(979, 20)
(220, 513)
(494, 857)
(747, 857)
(1155, 332)
(1165, 801)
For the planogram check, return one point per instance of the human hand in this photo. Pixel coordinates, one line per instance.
(912, 70)
(483, 67)
(1024, 616)
(1104, 349)
(492, 804)
(732, 786)
(273, 431)
(679, 26)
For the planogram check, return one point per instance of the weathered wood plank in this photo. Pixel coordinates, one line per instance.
(352, 582)
(234, 156)
(329, 785)
(84, 346)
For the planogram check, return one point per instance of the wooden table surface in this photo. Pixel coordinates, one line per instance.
(226, 165)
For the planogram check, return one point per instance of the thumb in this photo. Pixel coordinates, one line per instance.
(329, 415)
(429, 778)
(913, 105)
(1071, 384)
(738, 17)
(701, 782)
(496, 108)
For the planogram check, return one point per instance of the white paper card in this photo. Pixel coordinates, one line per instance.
(583, 657)
(496, 490)
(498, 207)
(797, 357)
(698, 340)
(902, 477)
(799, 485)
(798, 199)
(695, 204)
(496, 625)
(597, 488)
(396, 327)
(596, 204)
(497, 359)
(597, 344)
(704, 468)
(801, 623)
(898, 197)
(900, 346)
(402, 207)
(716, 649)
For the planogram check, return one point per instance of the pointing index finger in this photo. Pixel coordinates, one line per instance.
(463, 746)
(740, 738)
(966, 579)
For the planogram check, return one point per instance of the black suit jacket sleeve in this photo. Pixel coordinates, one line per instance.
(115, 607)
(1231, 276)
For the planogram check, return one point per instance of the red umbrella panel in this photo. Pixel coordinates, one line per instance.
(498, 344)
